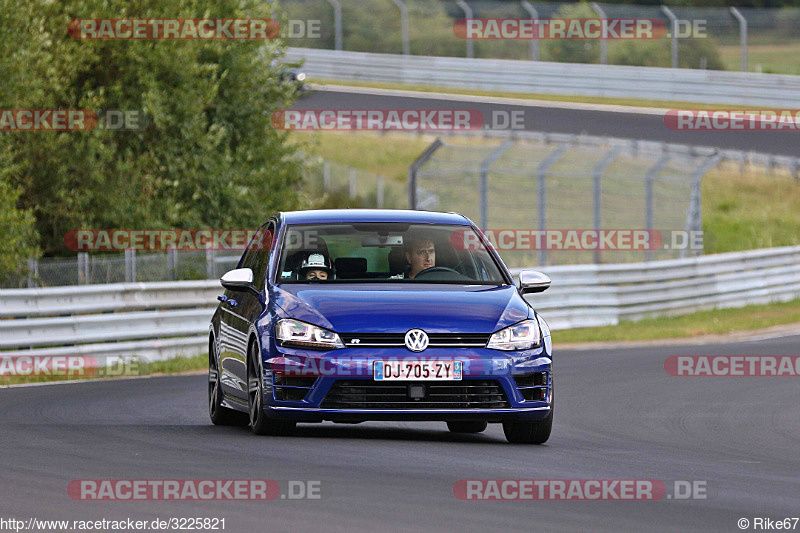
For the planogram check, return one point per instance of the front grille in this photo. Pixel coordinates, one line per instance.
(398, 340)
(369, 394)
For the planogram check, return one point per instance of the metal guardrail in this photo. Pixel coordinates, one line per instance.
(155, 320)
(600, 295)
(427, 26)
(164, 319)
(650, 83)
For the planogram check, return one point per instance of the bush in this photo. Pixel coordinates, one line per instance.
(658, 53)
(572, 51)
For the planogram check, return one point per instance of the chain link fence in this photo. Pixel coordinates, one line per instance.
(129, 266)
(754, 39)
(561, 186)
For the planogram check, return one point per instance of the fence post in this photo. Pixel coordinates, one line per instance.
(352, 183)
(172, 262)
(598, 194)
(603, 40)
(742, 35)
(485, 165)
(467, 14)
(541, 192)
(211, 263)
(337, 23)
(403, 25)
(534, 42)
(414, 167)
(379, 193)
(648, 197)
(326, 176)
(130, 265)
(33, 272)
(694, 217)
(83, 268)
(674, 21)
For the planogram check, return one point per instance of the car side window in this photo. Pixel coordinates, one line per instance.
(262, 248)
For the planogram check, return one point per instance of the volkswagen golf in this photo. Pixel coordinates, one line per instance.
(358, 315)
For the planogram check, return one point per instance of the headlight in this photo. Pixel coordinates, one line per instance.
(290, 332)
(520, 336)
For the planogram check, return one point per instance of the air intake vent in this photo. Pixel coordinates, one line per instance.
(369, 394)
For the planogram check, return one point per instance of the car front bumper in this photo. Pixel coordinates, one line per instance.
(352, 368)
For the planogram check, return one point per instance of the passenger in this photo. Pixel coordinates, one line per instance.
(316, 267)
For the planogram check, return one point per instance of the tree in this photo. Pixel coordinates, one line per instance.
(18, 242)
(209, 157)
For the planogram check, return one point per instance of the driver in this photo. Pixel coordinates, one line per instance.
(421, 255)
(316, 267)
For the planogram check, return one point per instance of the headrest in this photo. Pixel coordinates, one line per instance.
(350, 265)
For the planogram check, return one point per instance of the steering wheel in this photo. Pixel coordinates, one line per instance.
(438, 270)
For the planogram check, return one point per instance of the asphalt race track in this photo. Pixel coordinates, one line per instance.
(555, 119)
(618, 416)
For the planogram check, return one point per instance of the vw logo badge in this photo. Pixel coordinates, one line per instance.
(416, 340)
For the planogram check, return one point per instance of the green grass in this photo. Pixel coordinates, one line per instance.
(634, 102)
(748, 211)
(387, 155)
(177, 365)
(771, 58)
(717, 321)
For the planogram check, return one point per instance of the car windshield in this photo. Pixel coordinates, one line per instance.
(386, 252)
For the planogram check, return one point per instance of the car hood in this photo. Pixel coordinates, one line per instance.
(384, 308)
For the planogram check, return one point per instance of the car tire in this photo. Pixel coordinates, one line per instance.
(219, 414)
(259, 422)
(467, 426)
(529, 431)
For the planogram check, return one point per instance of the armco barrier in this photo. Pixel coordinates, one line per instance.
(650, 83)
(155, 320)
(163, 319)
(598, 295)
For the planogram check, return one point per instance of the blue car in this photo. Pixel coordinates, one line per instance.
(356, 315)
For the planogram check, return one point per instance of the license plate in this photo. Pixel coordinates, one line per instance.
(417, 370)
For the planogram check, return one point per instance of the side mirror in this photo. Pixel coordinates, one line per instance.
(239, 279)
(531, 281)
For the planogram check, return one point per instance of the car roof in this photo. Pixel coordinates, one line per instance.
(331, 216)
